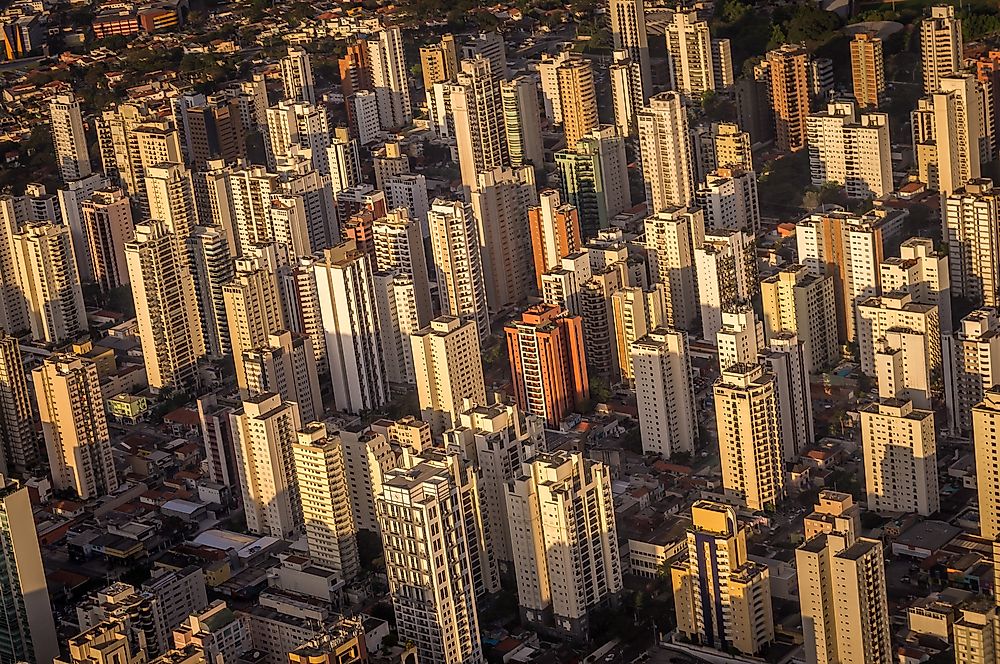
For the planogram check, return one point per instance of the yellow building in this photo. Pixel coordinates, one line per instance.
(867, 70)
(128, 408)
(986, 439)
(900, 455)
(841, 579)
(720, 597)
(750, 443)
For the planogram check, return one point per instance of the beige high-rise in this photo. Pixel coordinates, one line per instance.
(564, 540)
(867, 70)
(628, 33)
(972, 226)
(842, 588)
(68, 137)
(986, 439)
(974, 364)
(698, 63)
(577, 99)
(449, 369)
(661, 368)
(285, 364)
(50, 283)
(946, 128)
(900, 455)
(850, 148)
(321, 478)
(720, 597)
(264, 432)
(477, 110)
(170, 195)
(165, 307)
(897, 321)
(801, 303)
(747, 417)
(671, 236)
(636, 312)
(253, 310)
(71, 409)
(458, 262)
(666, 152)
(431, 577)
(500, 202)
(940, 46)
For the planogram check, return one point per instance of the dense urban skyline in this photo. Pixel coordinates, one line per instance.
(440, 333)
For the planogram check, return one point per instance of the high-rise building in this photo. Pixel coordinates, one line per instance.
(750, 444)
(17, 421)
(851, 149)
(728, 197)
(842, 587)
(109, 642)
(519, 99)
(671, 236)
(478, 115)
(346, 292)
(170, 199)
(285, 364)
(212, 265)
(636, 313)
(721, 598)
(107, 220)
(698, 63)
(577, 99)
(740, 340)
(661, 369)
(399, 248)
(789, 91)
(548, 365)
(449, 370)
(29, 631)
(70, 199)
(458, 263)
(165, 306)
(628, 33)
(947, 133)
(264, 432)
(940, 46)
(786, 358)
(47, 274)
(71, 408)
(212, 127)
(439, 62)
(895, 321)
(217, 435)
(500, 202)
(253, 310)
(555, 232)
(68, 137)
(973, 632)
(430, 571)
(922, 271)
(972, 365)
(726, 273)
(326, 510)
(297, 76)
(900, 455)
(563, 535)
(389, 77)
(798, 302)
(298, 128)
(666, 152)
(501, 438)
(849, 248)
(984, 418)
(867, 70)
(626, 91)
(594, 178)
(972, 230)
